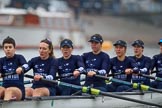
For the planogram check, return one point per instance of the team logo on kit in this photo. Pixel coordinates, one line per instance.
(159, 61)
(60, 67)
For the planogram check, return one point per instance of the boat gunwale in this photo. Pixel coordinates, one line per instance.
(84, 96)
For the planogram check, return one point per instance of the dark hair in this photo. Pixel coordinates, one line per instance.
(47, 41)
(9, 40)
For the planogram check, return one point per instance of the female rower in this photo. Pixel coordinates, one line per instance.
(13, 84)
(123, 65)
(96, 62)
(143, 63)
(44, 66)
(69, 67)
(157, 64)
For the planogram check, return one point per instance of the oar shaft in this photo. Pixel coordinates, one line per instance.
(155, 90)
(28, 82)
(129, 99)
(151, 77)
(133, 85)
(29, 76)
(121, 82)
(69, 75)
(114, 74)
(154, 71)
(102, 77)
(147, 76)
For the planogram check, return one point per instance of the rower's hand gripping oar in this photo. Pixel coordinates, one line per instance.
(42, 79)
(140, 74)
(95, 91)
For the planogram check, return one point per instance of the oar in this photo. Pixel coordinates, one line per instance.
(28, 82)
(156, 71)
(114, 74)
(69, 75)
(133, 85)
(119, 73)
(96, 91)
(150, 77)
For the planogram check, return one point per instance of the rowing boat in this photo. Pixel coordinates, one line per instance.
(135, 99)
(85, 101)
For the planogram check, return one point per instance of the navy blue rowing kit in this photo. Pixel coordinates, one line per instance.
(47, 68)
(66, 67)
(157, 64)
(9, 65)
(144, 65)
(118, 66)
(100, 64)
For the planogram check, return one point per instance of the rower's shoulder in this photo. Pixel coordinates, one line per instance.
(104, 53)
(147, 57)
(157, 56)
(18, 55)
(35, 59)
(86, 53)
(113, 59)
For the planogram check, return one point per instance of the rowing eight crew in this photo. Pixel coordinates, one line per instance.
(95, 62)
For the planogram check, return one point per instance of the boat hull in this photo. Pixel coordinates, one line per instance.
(84, 101)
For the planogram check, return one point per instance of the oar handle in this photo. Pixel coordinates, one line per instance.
(114, 74)
(69, 75)
(121, 81)
(42, 79)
